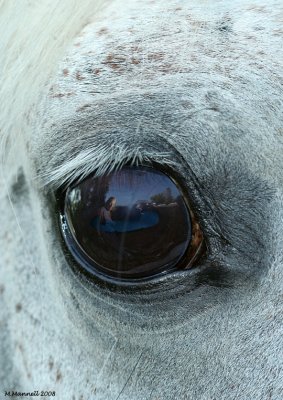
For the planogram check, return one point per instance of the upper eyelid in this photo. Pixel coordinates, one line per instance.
(112, 132)
(73, 151)
(100, 159)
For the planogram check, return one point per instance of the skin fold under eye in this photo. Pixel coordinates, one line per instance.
(130, 225)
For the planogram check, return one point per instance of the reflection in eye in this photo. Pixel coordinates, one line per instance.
(130, 225)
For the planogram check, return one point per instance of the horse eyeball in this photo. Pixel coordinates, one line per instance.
(130, 225)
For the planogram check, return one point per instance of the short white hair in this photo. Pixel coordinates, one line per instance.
(33, 37)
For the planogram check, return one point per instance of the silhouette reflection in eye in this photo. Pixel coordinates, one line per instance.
(128, 225)
(131, 221)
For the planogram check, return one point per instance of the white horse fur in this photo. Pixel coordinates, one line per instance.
(88, 86)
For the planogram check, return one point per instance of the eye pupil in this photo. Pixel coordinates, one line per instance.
(131, 224)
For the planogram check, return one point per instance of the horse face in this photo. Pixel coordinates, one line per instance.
(197, 89)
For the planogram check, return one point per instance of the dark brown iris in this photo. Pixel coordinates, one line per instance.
(130, 224)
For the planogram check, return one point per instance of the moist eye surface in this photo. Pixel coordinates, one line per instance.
(128, 225)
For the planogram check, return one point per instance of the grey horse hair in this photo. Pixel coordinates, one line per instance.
(76, 101)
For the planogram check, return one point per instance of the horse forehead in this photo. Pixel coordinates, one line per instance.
(174, 62)
(165, 45)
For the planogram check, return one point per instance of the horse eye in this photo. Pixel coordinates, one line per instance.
(130, 225)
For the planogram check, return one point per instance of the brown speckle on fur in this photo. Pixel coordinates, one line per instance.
(135, 48)
(156, 56)
(259, 9)
(135, 61)
(79, 77)
(82, 108)
(103, 31)
(59, 376)
(115, 62)
(59, 95)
